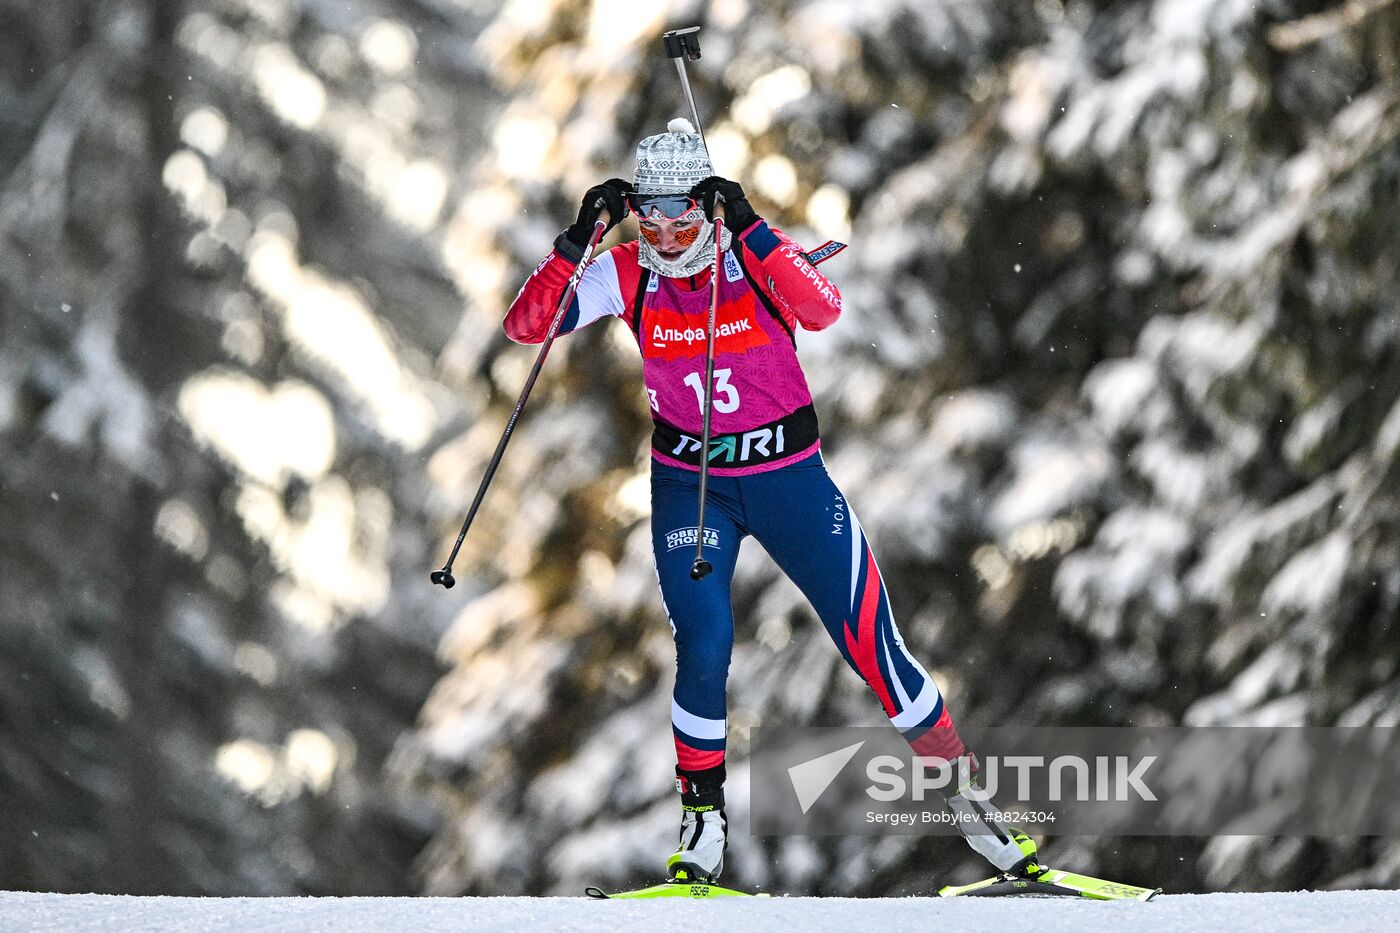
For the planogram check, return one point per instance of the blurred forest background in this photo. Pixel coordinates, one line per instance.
(1115, 395)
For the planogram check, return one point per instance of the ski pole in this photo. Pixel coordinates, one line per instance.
(444, 576)
(701, 568)
(683, 45)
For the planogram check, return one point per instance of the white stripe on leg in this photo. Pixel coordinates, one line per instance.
(697, 727)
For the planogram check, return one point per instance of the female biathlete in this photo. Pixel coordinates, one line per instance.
(767, 477)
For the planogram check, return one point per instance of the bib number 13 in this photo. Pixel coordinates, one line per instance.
(726, 405)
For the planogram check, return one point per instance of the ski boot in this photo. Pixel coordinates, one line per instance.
(989, 833)
(700, 856)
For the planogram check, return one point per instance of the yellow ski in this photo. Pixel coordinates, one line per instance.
(1052, 883)
(670, 889)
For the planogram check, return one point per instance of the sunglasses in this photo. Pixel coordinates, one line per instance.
(669, 206)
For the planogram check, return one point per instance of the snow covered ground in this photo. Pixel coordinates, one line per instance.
(1333, 910)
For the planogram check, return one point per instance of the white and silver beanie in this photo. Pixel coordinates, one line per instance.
(673, 161)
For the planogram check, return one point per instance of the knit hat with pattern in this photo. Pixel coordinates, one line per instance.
(672, 161)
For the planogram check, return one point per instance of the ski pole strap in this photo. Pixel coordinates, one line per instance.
(765, 443)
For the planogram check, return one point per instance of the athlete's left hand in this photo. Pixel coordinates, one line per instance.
(738, 212)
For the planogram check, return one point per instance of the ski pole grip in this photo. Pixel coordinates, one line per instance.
(604, 216)
(717, 212)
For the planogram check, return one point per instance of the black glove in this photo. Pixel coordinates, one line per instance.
(613, 195)
(738, 212)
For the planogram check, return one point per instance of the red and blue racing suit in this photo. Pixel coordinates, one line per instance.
(767, 477)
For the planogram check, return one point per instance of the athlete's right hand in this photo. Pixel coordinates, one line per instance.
(606, 202)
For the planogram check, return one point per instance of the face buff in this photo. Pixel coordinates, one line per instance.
(698, 256)
(671, 163)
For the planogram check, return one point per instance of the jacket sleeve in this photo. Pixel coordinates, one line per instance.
(801, 293)
(599, 295)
